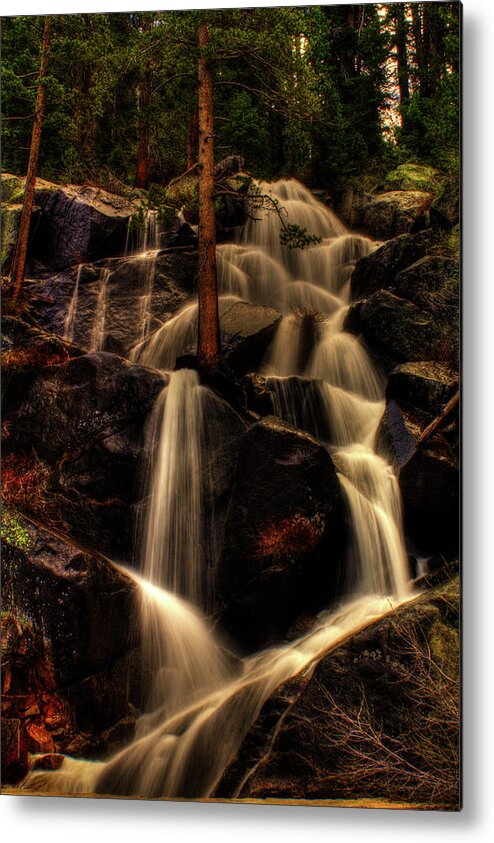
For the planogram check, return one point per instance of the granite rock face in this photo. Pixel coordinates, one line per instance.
(284, 534)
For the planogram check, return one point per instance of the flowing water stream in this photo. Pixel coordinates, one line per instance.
(201, 702)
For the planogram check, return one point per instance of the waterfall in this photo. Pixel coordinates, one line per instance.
(147, 267)
(172, 532)
(98, 332)
(70, 318)
(202, 703)
(141, 247)
(142, 237)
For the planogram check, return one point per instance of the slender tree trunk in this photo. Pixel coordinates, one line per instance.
(192, 140)
(208, 345)
(19, 262)
(421, 58)
(144, 98)
(401, 35)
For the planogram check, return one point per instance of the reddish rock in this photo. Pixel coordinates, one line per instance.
(53, 761)
(14, 751)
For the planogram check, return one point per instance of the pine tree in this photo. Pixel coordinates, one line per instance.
(20, 254)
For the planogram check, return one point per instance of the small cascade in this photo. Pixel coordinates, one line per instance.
(98, 332)
(340, 359)
(161, 349)
(143, 236)
(179, 653)
(147, 269)
(171, 550)
(70, 319)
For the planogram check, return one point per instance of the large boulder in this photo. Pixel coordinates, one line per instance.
(379, 701)
(79, 223)
(71, 664)
(79, 437)
(87, 607)
(397, 328)
(298, 400)
(90, 397)
(428, 473)
(427, 386)
(246, 332)
(26, 352)
(72, 223)
(433, 276)
(139, 293)
(283, 536)
(388, 214)
(379, 269)
(413, 177)
(445, 208)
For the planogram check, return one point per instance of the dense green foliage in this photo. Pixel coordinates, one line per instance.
(310, 91)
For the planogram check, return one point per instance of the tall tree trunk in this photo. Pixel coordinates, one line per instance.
(144, 98)
(19, 262)
(192, 140)
(420, 54)
(208, 345)
(401, 36)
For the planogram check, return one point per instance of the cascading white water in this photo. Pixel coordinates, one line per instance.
(69, 321)
(98, 331)
(144, 236)
(201, 705)
(141, 247)
(162, 348)
(172, 534)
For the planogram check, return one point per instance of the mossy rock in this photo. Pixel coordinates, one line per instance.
(414, 177)
(12, 188)
(184, 195)
(11, 215)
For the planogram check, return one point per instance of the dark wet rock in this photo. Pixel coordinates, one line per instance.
(85, 422)
(26, 353)
(398, 432)
(90, 397)
(108, 697)
(246, 332)
(258, 396)
(232, 210)
(428, 386)
(388, 214)
(379, 269)
(429, 484)
(445, 208)
(86, 607)
(178, 234)
(397, 328)
(71, 661)
(431, 274)
(79, 224)
(300, 401)
(141, 292)
(223, 432)
(14, 751)
(283, 534)
(428, 476)
(327, 733)
(107, 469)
